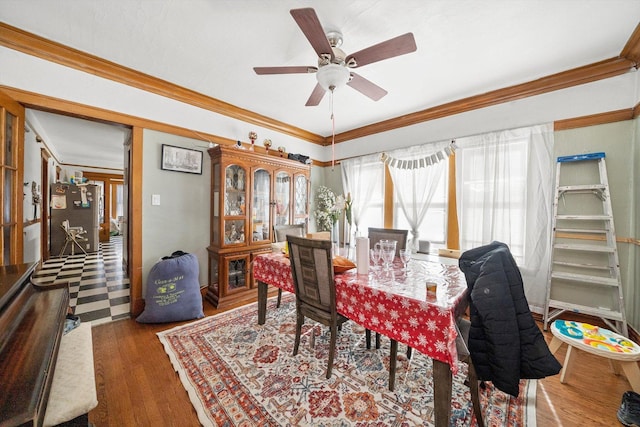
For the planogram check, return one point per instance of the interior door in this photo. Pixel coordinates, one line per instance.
(109, 201)
(103, 209)
(11, 176)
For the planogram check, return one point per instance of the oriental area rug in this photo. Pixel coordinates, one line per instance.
(239, 373)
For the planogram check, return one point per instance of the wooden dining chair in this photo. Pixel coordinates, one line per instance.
(377, 234)
(280, 233)
(312, 272)
(462, 341)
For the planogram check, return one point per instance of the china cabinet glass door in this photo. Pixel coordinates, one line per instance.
(237, 277)
(261, 215)
(234, 205)
(301, 204)
(283, 198)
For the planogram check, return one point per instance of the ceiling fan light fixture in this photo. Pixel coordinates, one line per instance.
(332, 76)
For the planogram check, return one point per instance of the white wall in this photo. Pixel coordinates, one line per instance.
(181, 221)
(31, 233)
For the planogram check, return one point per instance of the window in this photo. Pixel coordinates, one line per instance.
(492, 200)
(434, 224)
(363, 178)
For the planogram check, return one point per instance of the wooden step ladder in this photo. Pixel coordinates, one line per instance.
(585, 272)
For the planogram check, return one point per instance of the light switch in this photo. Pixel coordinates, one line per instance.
(155, 199)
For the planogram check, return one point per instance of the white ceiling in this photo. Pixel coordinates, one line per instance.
(464, 48)
(79, 141)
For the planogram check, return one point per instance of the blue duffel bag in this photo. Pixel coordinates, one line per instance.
(173, 291)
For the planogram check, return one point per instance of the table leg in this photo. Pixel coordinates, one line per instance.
(554, 345)
(633, 374)
(262, 302)
(567, 367)
(392, 364)
(441, 393)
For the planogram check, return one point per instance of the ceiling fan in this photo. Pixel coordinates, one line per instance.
(334, 65)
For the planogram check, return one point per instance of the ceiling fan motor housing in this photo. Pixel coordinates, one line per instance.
(338, 57)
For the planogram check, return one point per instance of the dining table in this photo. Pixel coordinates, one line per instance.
(417, 306)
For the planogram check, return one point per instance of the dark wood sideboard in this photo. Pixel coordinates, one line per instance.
(32, 320)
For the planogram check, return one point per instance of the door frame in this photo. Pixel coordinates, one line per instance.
(44, 224)
(109, 180)
(15, 223)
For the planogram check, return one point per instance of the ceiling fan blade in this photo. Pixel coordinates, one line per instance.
(393, 47)
(285, 70)
(309, 23)
(316, 96)
(365, 87)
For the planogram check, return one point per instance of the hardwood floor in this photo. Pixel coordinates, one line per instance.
(137, 385)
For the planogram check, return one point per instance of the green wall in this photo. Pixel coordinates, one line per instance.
(181, 221)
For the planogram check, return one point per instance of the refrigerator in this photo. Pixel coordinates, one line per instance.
(80, 204)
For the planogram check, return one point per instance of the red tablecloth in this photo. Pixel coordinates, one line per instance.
(393, 303)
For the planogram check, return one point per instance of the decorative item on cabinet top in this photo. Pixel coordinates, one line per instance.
(232, 154)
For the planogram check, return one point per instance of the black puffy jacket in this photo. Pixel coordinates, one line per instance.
(505, 341)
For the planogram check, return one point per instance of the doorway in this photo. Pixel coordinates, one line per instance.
(95, 150)
(111, 203)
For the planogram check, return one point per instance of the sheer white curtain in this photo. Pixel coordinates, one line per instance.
(360, 177)
(504, 192)
(414, 188)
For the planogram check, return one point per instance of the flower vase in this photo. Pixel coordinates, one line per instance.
(335, 238)
(347, 238)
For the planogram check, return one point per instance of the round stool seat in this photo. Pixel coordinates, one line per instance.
(595, 340)
(621, 351)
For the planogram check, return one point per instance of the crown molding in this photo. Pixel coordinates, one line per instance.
(594, 119)
(631, 50)
(31, 44)
(577, 76)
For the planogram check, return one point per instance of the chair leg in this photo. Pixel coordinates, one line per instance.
(279, 298)
(367, 334)
(409, 352)
(81, 248)
(392, 364)
(475, 396)
(299, 322)
(64, 248)
(377, 340)
(332, 349)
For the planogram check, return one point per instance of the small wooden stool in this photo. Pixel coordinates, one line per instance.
(620, 351)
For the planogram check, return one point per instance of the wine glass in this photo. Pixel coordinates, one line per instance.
(374, 254)
(388, 252)
(405, 256)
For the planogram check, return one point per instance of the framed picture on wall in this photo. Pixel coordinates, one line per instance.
(180, 159)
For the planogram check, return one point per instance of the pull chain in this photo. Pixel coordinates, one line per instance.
(333, 134)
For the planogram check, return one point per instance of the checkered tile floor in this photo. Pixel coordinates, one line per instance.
(98, 286)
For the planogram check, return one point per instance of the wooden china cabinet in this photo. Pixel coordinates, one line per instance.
(250, 193)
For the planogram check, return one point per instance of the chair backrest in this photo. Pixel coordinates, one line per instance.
(280, 232)
(322, 235)
(377, 234)
(65, 225)
(312, 272)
